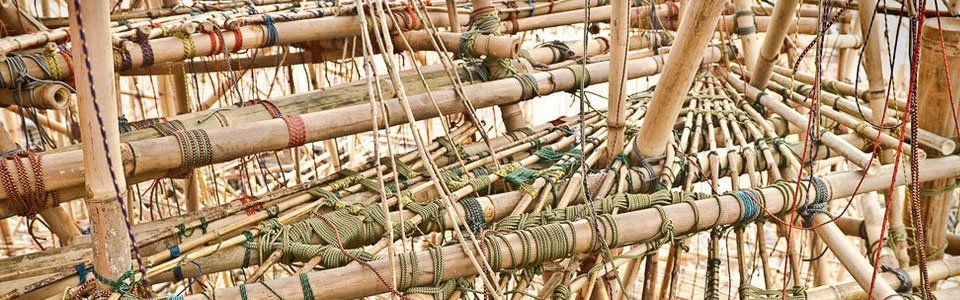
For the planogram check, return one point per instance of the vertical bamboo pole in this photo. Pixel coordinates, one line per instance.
(935, 116)
(452, 15)
(696, 30)
(873, 56)
(617, 92)
(745, 27)
(783, 13)
(846, 62)
(104, 180)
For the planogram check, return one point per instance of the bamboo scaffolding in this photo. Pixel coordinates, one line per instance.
(772, 41)
(155, 157)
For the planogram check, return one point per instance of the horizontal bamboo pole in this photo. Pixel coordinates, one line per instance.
(850, 257)
(837, 86)
(634, 227)
(148, 159)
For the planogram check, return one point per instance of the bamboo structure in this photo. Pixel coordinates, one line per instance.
(478, 149)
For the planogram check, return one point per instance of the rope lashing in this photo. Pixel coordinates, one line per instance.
(121, 57)
(528, 85)
(452, 148)
(50, 57)
(521, 177)
(748, 291)
(82, 272)
(712, 287)
(147, 52)
(124, 284)
(270, 107)
(298, 240)
(146, 123)
(820, 202)
(182, 228)
(621, 202)
(296, 131)
(237, 40)
(165, 128)
(186, 39)
(744, 29)
(174, 254)
(403, 170)
(28, 195)
(581, 77)
(749, 207)
(196, 149)
(270, 31)
(474, 214)
(906, 283)
(559, 51)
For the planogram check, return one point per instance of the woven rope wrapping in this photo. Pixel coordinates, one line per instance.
(622, 202)
(403, 170)
(754, 293)
(186, 39)
(147, 50)
(50, 57)
(195, 148)
(581, 77)
(296, 131)
(314, 237)
(167, 128)
(146, 123)
(28, 194)
(121, 57)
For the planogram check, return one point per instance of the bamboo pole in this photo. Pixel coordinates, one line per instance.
(935, 104)
(688, 50)
(870, 28)
(850, 257)
(633, 227)
(772, 41)
(746, 29)
(101, 154)
(617, 88)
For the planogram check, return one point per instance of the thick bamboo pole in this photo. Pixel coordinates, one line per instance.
(772, 41)
(936, 106)
(696, 30)
(89, 29)
(634, 227)
(617, 89)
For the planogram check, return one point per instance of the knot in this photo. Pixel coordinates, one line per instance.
(820, 202)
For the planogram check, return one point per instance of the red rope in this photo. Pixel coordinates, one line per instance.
(296, 131)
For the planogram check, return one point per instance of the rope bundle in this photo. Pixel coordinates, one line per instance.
(27, 194)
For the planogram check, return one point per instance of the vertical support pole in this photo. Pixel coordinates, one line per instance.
(452, 14)
(696, 30)
(846, 61)
(617, 92)
(745, 27)
(873, 57)
(104, 176)
(933, 103)
(783, 13)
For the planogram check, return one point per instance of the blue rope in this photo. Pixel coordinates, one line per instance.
(174, 254)
(272, 34)
(750, 207)
(82, 272)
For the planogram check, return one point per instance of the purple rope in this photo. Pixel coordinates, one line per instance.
(106, 146)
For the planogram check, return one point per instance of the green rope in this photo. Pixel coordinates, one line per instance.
(305, 286)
